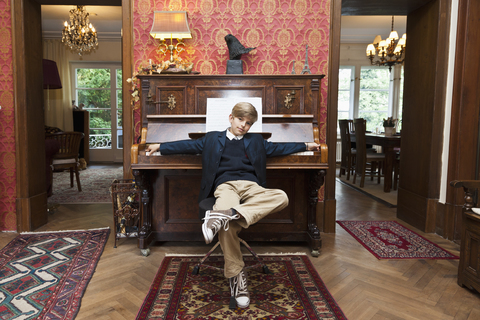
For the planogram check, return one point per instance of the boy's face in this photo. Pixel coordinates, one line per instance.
(239, 125)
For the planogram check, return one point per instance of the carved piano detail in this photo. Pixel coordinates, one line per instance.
(170, 184)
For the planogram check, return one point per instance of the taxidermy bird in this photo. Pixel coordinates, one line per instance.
(235, 48)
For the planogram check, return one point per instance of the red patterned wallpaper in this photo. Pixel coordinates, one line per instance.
(8, 220)
(280, 29)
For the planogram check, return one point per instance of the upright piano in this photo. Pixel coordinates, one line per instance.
(173, 107)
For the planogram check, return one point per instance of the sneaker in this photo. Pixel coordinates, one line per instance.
(239, 290)
(214, 220)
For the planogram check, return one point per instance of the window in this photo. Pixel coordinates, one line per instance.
(345, 91)
(98, 90)
(374, 94)
(400, 103)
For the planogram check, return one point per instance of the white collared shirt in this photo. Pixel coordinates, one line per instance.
(231, 136)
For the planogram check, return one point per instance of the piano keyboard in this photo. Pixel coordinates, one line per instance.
(156, 153)
(303, 153)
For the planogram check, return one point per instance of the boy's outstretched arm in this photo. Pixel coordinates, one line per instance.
(312, 146)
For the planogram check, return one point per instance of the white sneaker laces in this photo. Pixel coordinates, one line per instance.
(238, 285)
(220, 220)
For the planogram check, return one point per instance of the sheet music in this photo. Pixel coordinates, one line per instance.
(218, 110)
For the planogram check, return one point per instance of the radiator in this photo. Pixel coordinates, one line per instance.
(338, 153)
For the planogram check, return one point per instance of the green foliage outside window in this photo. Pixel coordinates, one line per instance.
(93, 78)
(93, 91)
(373, 100)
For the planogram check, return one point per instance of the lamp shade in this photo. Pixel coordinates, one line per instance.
(51, 78)
(370, 50)
(393, 35)
(170, 24)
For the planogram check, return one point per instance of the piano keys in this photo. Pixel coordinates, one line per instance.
(170, 184)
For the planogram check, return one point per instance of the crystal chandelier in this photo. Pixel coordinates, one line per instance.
(79, 35)
(390, 51)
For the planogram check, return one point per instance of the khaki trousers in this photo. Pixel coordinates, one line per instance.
(252, 202)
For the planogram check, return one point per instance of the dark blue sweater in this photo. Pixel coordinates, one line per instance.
(234, 164)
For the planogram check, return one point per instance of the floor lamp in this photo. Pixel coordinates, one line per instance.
(51, 78)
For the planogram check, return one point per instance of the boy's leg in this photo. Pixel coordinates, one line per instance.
(227, 198)
(253, 203)
(256, 202)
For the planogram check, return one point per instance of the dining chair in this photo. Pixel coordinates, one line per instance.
(67, 156)
(396, 169)
(348, 153)
(363, 158)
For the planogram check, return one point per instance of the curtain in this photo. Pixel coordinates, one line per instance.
(58, 102)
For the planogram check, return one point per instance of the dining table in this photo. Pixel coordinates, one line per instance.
(389, 145)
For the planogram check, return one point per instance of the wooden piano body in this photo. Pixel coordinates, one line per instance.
(174, 108)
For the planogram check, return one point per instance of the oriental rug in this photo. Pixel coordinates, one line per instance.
(293, 290)
(391, 240)
(44, 275)
(95, 186)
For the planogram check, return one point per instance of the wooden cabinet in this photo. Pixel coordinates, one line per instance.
(81, 123)
(469, 268)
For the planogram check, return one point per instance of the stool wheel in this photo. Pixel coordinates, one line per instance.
(265, 269)
(233, 303)
(196, 270)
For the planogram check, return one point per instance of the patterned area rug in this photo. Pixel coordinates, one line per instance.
(95, 186)
(44, 275)
(391, 240)
(294, 290)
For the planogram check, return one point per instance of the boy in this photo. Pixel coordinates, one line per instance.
(234, 168)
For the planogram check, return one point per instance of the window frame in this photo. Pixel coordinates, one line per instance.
(395, 96)
(115, 152)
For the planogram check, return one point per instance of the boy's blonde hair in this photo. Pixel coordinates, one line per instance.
(245, 109)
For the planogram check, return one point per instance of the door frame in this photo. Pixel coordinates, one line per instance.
(31, 198)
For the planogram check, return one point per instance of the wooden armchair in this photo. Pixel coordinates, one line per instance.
(67, 156)
(469, 266)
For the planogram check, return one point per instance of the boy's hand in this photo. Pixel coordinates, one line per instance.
(152, 148)
(312, 146)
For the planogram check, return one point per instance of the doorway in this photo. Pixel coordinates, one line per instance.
(31, 201)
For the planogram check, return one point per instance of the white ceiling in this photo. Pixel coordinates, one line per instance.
(363, 29)
(108, 22)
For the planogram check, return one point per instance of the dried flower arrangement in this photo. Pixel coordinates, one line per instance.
(178, 66)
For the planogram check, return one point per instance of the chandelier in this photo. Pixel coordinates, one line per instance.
(79, 35)
(390, 51)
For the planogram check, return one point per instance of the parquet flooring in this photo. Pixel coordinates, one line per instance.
(364, 287)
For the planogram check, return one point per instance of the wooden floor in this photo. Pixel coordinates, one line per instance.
(364, 287)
